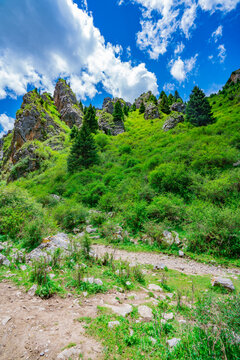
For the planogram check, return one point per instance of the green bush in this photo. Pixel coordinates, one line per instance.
(22, 218)
(69, 214)
(135, 215)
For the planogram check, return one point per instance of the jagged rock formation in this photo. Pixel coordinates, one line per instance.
(235, 76)
(108, 104)
(67, 104)
(151, 112)
(179, 107)
(34, 121)
(107, 124)
(143, 98)
(172, 121)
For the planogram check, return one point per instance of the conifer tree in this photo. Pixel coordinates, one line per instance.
(133, 107)
(74, 132)
(83, 152)
(164, 107)
(142, 108)
(126, 110)
(162, 94)
(117, 112)
(176, 96)
(170, 99)
(81, 105)
(90, 119)
(198, 111)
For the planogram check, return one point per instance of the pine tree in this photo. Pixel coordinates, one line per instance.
(133, 107)
(117, 112)
(126, 110)
(198, 111)
(90, 119)
(176, 96)
(170, 99)
(81, 105)
(74, 132)
(164, 107)
(83, 152)
(153, 99)
(142, 108)
(162, 94)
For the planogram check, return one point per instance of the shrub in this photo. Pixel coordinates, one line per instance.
(135, 216)
(102, 140)
(69, 214)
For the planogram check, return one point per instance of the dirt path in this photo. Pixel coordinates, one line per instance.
(176, 263)
(40, 329)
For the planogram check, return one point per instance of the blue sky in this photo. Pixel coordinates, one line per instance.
(115, 47)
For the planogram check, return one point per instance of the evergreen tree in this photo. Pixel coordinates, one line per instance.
(117, 112)
(74, 132)
(164, 107)
(176, 96)
(162, 94)
(170, 99)
(81, 105)
(133, 107)
(83, 152)
(142, 108)
(90, 119)
(198, 111)
(153, 99)
(126, 110)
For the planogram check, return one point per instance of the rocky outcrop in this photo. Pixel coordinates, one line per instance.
(33, 121)
(235, 76)
(151, 112)
(178, 106)
(67, 104)
(172, 121)
(143, 98)
(108, 125)
(108, 104)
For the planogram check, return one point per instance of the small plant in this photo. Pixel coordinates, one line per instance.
(86, 247)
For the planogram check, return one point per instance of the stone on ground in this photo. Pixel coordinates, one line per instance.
(173, 342)
(168, 316)
(145, 312)
(121, 310)
(154, 287)
(72, 353)
(112, 324)
(32, 290)
(226, 283)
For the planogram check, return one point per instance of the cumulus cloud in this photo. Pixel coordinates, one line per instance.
(222, 53)
(43, 40)
(6, 124)
(180, 68)
(162, 18)
(217, 34)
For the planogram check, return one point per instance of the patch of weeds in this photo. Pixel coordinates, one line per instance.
(69, 346)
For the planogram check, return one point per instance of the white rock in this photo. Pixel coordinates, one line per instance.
(131, 332)
(226, 283)
(32, 290)
(128, 283)
(153, 340)
(89, 280)
(121, 310)
(145, 312)
(168, 316)
(98, 281)
(73, 352)
(173, 342)
(159, 267)
(154, 287)
(163, 321)
(23, 267)
(5, 320)
(182, 321)
(112, 324)
(4, 261)
(85, 293)
(181, 253)
(90, 229)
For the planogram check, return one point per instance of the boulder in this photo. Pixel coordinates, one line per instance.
(151, 112)
(71, 353)
(172, 121)
(113, 324)
(153, 287)
(235, 76)
(145, 312)
(121, 310)
(142, 98)
(178, 107)
(4, 260)
(167, 316)
(181, 253)
(173, 342)
(226, 283)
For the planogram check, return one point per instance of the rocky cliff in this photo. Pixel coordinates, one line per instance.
(67, 105)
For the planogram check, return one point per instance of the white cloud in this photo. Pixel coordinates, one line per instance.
(6, 123)
(179, 48)
(217, 34)
(180, 68)
(171, 16)
(222, 53)
(129, 52)
(48, 39)
(168, 87)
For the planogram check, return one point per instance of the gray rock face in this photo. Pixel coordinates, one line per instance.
(151, 112)
(142, 98)
(172, 121)
(179, 107)
(108, 125)
(108, 104)
(226, 283)
(32, 122)
(235, 76)
(67, 105)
